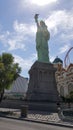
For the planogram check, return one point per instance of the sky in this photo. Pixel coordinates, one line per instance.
(18, 29)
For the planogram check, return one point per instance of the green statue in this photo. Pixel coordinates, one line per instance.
(42, 37)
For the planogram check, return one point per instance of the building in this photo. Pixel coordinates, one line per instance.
(64, 77)
(18, 89)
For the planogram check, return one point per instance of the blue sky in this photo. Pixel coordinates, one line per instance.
(18, 29)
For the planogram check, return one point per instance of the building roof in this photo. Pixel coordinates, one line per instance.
(20, 85)
(57, 60)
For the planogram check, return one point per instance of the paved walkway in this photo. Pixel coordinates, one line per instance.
(36, 116)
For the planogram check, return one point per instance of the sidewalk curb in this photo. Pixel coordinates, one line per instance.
(37, 121)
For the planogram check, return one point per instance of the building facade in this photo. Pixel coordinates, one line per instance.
(64, 77)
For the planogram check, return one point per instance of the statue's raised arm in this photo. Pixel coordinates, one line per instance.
(36, 19)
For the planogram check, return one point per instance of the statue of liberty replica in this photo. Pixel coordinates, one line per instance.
(42, 84)
(42, 37)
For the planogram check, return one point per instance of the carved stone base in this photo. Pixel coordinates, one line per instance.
(42, 83)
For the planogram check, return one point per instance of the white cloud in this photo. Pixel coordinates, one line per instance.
(32, 5)
(12, 40)
(4, 37)
(20, 27)
(42, 2)
(24, 29)
(14, 44)
(67, 36)
(60, 20)
(52, 58)
(64, 48)
(37, 2)
(25, 63)
(16, 39)
(1, 37)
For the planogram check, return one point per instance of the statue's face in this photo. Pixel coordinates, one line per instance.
(42, 23)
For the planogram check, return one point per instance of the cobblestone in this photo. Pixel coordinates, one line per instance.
(43, 116)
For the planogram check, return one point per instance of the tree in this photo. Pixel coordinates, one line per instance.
(68, 98)
(9, 71)
(71, 96)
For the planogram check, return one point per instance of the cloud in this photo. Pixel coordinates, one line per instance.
(25, 63)
(60, 20)
(12, 40)
(42, 2)
(17, 38)
(64, 48)
(24, 29)
(4, 37)
(37, 2)
(52, 58)
(14, 44)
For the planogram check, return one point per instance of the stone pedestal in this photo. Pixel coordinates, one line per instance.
(42, 83)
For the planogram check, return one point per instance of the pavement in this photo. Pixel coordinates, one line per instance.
(37, 116)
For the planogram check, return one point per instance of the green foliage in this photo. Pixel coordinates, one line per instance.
(9, 71)
(68, 98)
(71, 95)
